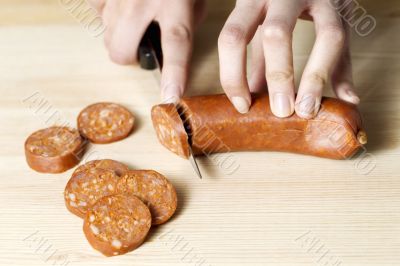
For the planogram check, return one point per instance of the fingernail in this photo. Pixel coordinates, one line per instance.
(354, 98)
(307, 105)
(282, 105)
(240, 104)
(170, 94)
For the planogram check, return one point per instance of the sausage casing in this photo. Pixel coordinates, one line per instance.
(54, 149)
(214, 126)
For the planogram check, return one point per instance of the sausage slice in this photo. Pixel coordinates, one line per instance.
(119, 168)
(169, 129)
(54, 149)
(154, 190)
(117, 224)
(105, 122)
(86, 187)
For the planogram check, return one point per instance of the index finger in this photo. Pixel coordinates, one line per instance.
(176, 40)
(232, 43)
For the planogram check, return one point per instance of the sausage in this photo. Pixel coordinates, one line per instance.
(154, 190)
(215, 126)
(86, 187)
(54, 149)
(117, 224)
(105, 122)
(119, 168)
(170, 130)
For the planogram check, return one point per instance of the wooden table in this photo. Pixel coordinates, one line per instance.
(277, 209)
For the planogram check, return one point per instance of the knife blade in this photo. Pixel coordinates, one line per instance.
(193, 162)
(151, 58)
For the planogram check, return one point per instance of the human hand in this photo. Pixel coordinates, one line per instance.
(126, 22)
(272, 56)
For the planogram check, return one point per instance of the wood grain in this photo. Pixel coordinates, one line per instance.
(269, 212)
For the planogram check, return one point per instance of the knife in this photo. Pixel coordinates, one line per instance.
(151, 58)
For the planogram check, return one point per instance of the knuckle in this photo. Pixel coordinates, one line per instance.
(317, 78)
(232, 34)
(280, 76)
(178, 33)
(277, 31)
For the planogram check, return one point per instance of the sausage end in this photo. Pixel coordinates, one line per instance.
(170, 129)
(362, 137)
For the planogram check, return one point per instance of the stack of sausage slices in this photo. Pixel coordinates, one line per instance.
(118, 205)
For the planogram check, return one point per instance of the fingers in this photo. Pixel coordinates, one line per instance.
(342, 77)
(126, 23)
(327, 50)
(177, 39)
(236, 34)
(257, 82)
(277, 42)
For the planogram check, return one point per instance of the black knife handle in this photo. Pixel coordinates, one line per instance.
(146, 58)
(150, 51)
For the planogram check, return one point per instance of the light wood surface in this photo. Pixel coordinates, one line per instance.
(277, 209)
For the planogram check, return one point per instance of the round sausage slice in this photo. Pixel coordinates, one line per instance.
(119, 168)
(170, 129)
(54, 149)
(86, 187)
(117, 224)
(153, 189)
(105, 122)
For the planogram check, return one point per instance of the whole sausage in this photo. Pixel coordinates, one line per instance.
(54, 149)
(117, 224)
(213, 126)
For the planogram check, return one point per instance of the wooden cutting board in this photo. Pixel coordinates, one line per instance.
(276, 209)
